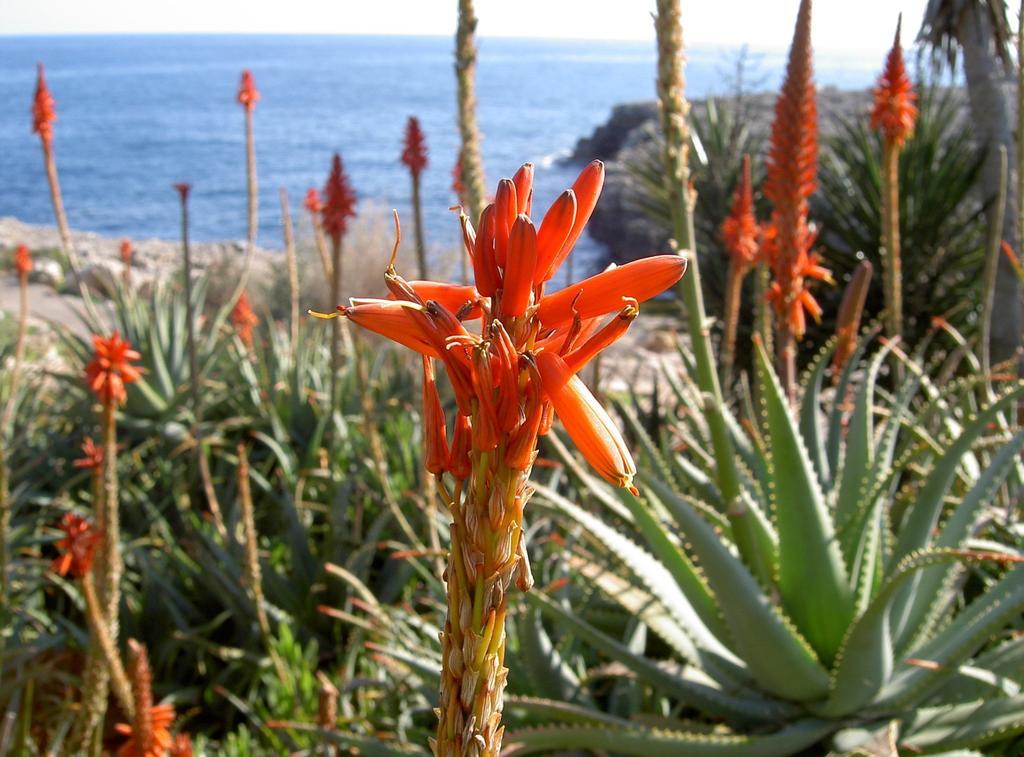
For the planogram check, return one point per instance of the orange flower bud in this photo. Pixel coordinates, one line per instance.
(523, 180)
(453, 297)
(522, 259)
(485, 268)
(586, 352)
(395, 320)
(640, 280)
(554, 230)
(435, 433)
(44, 111)
(248, 95)
(850, 311)
(589, 426)
(111, 369)
(587, 189)
(485, 420)
(505, 211)
(126, 251)
(22, 260)
(462, 440)
(92, 456)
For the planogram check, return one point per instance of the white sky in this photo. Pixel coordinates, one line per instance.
(839, 25)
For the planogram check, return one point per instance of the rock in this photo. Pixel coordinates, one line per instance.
(100, 277)
(46, 271)
(609, 138)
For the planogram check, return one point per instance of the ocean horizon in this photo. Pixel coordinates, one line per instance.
(136, 113)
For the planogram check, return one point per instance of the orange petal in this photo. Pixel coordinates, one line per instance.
(554, 230)
(454, 297)
(522, 258)
(485, 269)
(459, 464)
(395, 319)
(592, 431)
(505, 211)
(435, 434)
(587, 189)
(603, 293)
(586, 352)
(523, 180)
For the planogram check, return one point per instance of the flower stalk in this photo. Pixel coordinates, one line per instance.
(339, 206)
(293, 267)
(673, 110)
(247, 97)
(893, 114)
(414, 156)
(315, 207)
(43, 116)
(470, 163)
(509, 379)
(183, 190)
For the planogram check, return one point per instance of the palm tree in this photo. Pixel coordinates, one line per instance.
(980, 32)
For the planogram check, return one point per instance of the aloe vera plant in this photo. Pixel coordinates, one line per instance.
(867, 503)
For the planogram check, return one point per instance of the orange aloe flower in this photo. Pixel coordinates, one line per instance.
(111, 369)
(414, 154)
(339, 202)
(248, 95)
(77, 548)
(312, 201)
(126, 251)
(791, 178)
(244, 319)
(92, 455)
(43, 109)
(22, 261)
(740, 230)
(150, 735)
(894, 112)
(510, 376)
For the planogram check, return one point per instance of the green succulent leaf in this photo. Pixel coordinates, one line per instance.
(933, 730)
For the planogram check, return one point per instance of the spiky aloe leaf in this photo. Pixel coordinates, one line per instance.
(865, 660)
(550, 674)
(962, 636)
(1004, 665)
(812, 580)
(655, 743)
(672, 588)
(917, 531)
(810, 410)
(550, 710)
(772, 648)
(688, 684)
(925, 596)
(966, 726)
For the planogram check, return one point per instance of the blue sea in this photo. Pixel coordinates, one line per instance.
(137, 113)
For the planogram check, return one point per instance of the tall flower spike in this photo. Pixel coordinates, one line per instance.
(339, 201)
(78, 547)
(508, 378)
(248, 95)
(244, 319)
(22, 261)
(150, 734)
(111, 369)
(414, 152)
(43, 108)
(791, 179)
(894, 112)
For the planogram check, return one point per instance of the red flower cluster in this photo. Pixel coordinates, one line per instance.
(126, 252)
(77, 548)
(248, 95)
(791, 179)
(414, 154)
(151, 734)
(111, 369)
(182, 188)
(894, 112)
(43, 109)
(92, 456)
(740, 230)
(521, 367)
(339, 203)
(22, 260)
(244, 319)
